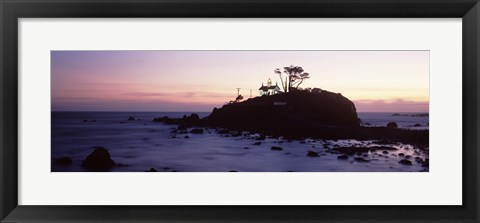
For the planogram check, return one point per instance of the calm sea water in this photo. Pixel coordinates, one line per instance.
(404, 120)
(142, 144)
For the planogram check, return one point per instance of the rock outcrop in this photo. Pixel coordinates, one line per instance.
(98, 160)
(295, 113)
(392, 125)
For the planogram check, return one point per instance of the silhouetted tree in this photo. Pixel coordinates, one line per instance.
(237, 99)
(291, 77)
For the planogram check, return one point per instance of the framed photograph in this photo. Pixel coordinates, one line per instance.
(223, 111)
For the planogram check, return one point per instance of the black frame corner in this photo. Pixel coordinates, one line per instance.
(12, 10)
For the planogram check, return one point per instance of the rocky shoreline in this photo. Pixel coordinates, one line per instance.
(419, 138)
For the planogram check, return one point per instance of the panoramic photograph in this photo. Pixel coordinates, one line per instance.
(239, 111)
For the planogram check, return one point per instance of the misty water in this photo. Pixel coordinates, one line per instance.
(142, 144)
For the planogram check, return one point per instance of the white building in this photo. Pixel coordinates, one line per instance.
(269, 89)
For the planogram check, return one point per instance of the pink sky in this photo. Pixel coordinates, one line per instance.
(376, 81)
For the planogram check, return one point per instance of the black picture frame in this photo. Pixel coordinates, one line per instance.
(12, 10)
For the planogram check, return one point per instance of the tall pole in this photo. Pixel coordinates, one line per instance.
(250, 93)
(238, 92)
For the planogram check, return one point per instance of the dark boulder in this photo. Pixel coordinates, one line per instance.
(342, 157)
(184, 122)
(361, 160)
(417, 125)
(151, 170)
(64, 161)
(276, 148)
(418, 160)
(131, 119)
(257, 143)
(190, 120)
(98, 160)
(392, 125)
(405, 162)
(312, 154)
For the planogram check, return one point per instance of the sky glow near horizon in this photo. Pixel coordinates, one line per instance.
(376, 81)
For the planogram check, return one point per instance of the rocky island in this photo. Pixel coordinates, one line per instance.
(299, 114)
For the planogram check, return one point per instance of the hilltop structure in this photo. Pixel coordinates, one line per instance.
(269, 89)
(297, 113)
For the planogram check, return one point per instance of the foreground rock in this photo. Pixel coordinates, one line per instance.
(276, 148)
(361, 160)
(184, 122)
(98, 160)
(151, 170)
(392, 125)
(405, 162)
(312, 154)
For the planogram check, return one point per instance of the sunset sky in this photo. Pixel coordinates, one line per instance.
(376, 81)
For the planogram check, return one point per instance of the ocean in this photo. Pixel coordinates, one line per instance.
(141, 144)
(404, 120)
